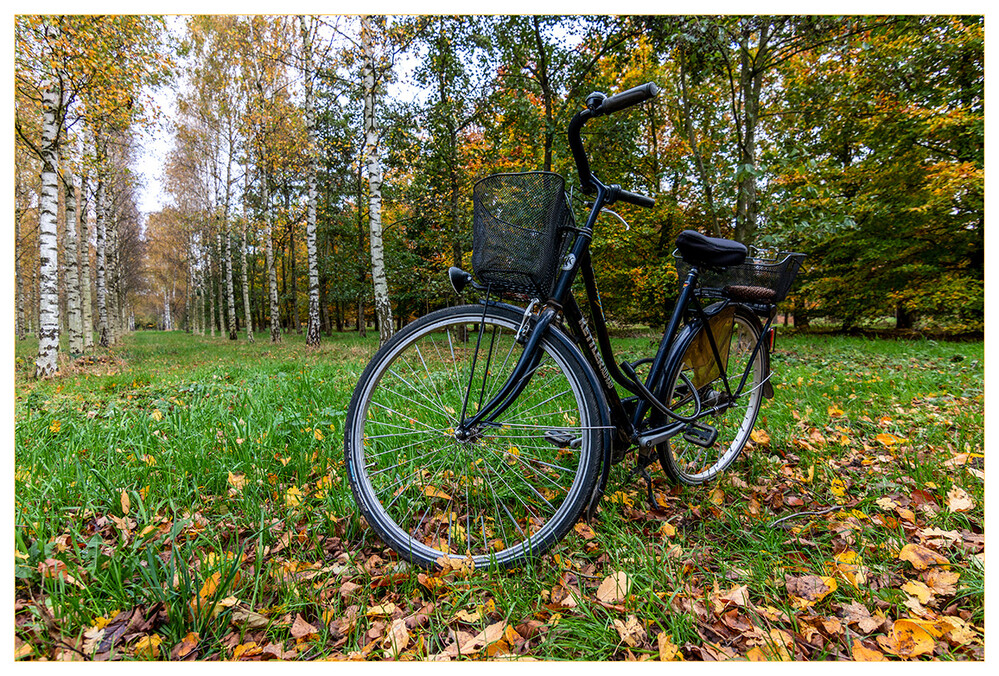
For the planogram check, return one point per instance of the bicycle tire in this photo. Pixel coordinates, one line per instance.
(508, 493)
(687, 461)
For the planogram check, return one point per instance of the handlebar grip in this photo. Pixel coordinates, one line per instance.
(636, 199)
(626, 99)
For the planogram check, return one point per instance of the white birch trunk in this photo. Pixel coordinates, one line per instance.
(111, 273)
(227, 241)
(247, 316)
(70, 246)
(103, 328)
(167, 320)
(220, 252)
(48, 281)
(83, 255)
(312, 338)
(383, 306)
(229, 289)
(271, 272)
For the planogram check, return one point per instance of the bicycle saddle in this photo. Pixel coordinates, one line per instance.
(698, 249)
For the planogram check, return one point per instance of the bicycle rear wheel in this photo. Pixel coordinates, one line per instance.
(689, 457)
(512, 488)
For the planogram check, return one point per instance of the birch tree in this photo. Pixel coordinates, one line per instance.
(373, 162)
(74, 310)
(312, 334)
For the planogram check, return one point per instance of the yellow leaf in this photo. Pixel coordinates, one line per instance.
(837, 488)
(187, 644)
(888, 439)
(292, 497)
(911, 639)
(125, 503)
(920, 557)
(156, 415)
(55, 426)
(317, 434)
(210, 585)
(237, 481)
(862, 654)
(835, 411)
(760, 437)
(717, 496)
(433, 492)
(668, 651)
(148, 647)
(919, 590)
(246, 650)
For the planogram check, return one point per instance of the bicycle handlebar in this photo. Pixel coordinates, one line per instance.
(598, 104)
(603, 105)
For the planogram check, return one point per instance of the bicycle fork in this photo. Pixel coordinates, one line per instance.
(515, 383)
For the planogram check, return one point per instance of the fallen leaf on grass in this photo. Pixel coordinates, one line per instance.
(56, 569)
(631, 631)
(918, 590)
(148, 647)
(249, 619)
(958, 500)
(396, 640)
(888, 439)
(185, 647)
(908, 638)
(302, 629)
(614, 589)
(920, 557)
(808, 590)
(246, 650)
(861, 653)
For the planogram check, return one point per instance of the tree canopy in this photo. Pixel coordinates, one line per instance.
(856, 140)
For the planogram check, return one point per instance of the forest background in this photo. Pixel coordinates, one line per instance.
(321, 168)
(184, 495)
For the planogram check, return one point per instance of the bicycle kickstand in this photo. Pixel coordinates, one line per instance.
(641, 470)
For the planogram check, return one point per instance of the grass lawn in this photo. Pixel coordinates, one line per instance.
(183, 497)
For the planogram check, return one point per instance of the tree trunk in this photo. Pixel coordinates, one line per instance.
(750, 86)
(229, 289)
(246, 280)
(100, 207)
(71, 247)
(221, 278)
(86, 292)
(293, 295)
(271, 272)
(48, 268)
(21, 331)
(312, 336)
(383, 306)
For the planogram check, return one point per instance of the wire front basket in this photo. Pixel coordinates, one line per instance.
(521, 229)
(757, 280)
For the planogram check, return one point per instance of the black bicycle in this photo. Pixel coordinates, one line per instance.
(486, 431)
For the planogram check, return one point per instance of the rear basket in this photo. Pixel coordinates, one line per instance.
(757, 280)
(521, 230)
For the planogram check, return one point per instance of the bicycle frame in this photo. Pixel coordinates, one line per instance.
(648, 394)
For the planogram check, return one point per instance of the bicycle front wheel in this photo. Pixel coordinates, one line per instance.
(508, 490)
(727, 414)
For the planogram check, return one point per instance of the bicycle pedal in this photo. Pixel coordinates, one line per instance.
(563, 439)
(700, 435)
